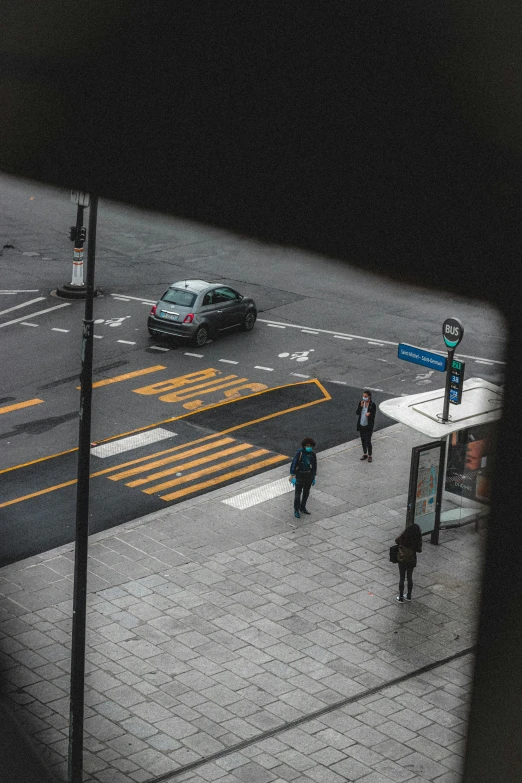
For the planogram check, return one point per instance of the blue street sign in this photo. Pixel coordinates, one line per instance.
(420, 356)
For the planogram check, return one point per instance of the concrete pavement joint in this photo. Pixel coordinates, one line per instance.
(311, 716)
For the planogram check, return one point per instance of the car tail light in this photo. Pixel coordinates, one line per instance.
(153, 310)
(188, 318)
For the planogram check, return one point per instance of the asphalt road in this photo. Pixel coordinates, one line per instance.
(211, 416)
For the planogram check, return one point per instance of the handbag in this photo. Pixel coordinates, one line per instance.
(405, 555)
(394, 551)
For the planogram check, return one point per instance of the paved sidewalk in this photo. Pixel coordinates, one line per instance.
(254, 646)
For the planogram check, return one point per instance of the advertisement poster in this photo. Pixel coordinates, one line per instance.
(426, 489)
(470, 463)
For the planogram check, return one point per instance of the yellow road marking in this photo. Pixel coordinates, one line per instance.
(192, 464)
(315, 381)
(203, 388)
(158, 463)
(40, 492)
(205, 471)
(318, 383)
(18, 405)
(118, 378)
(220, 479)
(40, 459)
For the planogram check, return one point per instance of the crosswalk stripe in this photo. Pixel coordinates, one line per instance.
(149, 456)
(205, 471)
(132, 442)
(193, 464)
(226, 477)
(166, 460)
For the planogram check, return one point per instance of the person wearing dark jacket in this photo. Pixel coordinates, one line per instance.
(302, 475)
(410, 542)
(365, 412)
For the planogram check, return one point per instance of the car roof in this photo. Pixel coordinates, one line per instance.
(192, 285)
(195, 286)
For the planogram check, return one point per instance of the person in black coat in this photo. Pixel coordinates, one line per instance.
(302, 475)
(366, 411)
(410, 542)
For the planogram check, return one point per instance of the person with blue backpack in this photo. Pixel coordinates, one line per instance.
(303, 471)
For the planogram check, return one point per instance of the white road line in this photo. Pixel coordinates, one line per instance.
(260, 494)
(372, 388)
(24, 304)
(277, 326)
(197, 355)
(158, 348)
(19, 291)
(476, 358)
(55, 329)
(120, 299)
(98, 336)
(308, 331)
(372, 342)
(135, 298)
(27, 323)
(341, 383)
(132, 442)
(299, 375)
(483, 361)
(41, 312)
(324, 331)
(227, 361)
(369, 339)
(259, 367)
(126, 342)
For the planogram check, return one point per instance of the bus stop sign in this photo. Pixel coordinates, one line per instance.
(452, 332)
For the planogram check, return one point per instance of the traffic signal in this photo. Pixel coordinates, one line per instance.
(83, 234)
(72, 233)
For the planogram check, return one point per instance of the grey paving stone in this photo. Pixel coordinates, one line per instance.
(125, 695)
(102, 729)
(411, 720)
(45, 692)
(421, 765)
(350, 769)
(441, 735)
(176, 727)
(428, 748)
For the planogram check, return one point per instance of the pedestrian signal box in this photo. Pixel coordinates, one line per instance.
(456, 381)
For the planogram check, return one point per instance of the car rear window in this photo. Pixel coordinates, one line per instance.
(182, 298)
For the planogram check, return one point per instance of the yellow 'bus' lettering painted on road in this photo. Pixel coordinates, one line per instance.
(195, 384)
(177, 383)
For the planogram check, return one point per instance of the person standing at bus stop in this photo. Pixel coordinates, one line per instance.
(302, 475)
(409, 543)
(365, 412)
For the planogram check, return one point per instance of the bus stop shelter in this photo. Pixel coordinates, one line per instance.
(469, 443)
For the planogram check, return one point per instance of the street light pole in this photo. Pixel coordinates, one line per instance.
(76, 289)
(75, 774)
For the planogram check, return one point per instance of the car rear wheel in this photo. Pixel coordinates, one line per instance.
(248, 321)
(201, 336)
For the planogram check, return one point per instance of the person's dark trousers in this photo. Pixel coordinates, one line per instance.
(405, 571)
(302, 490)
(366, 440)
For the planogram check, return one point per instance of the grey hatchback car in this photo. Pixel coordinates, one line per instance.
(196, 310)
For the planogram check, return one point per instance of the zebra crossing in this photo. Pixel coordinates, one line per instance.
(189, 468)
